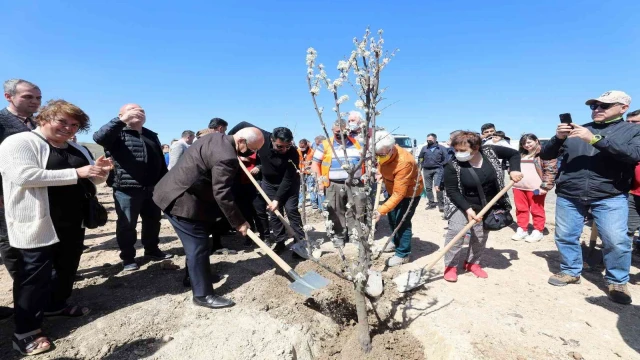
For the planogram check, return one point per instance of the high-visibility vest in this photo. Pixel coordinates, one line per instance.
(305, 161)
(328, 156)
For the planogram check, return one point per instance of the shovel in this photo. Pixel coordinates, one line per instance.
(374, 281)
(304, 284)
(300, 246)
(414, 278)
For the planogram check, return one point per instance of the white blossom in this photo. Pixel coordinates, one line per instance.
(342, 98)
(315, 90)
(337, 82)
(380, 32)
(311, 55)
(360, 277)
(321, 66)
(320, 109)
(343, 65)
(359, 104)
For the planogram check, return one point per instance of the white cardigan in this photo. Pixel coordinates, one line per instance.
(23, 162)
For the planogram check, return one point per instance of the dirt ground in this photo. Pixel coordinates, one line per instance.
(514, 314)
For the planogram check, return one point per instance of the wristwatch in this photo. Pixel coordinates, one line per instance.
(595, 139)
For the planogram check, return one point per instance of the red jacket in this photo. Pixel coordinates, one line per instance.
(250, 163)
(635, 186)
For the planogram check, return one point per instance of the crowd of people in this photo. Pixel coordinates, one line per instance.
(199, 185)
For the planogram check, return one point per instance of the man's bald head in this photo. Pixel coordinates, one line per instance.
(251, 136)
(133, 115)
(131, 106)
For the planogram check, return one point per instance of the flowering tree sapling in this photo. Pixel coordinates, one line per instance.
(365, 64)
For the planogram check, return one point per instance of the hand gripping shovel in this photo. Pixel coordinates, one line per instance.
(300, 246)
(414, 278)
(304, 284)
(374, 281)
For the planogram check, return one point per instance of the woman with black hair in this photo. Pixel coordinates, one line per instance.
(529, 194)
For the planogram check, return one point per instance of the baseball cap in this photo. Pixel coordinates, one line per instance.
(612, 97)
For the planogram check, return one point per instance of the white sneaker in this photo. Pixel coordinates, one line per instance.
(396, 261)
(390, 248)
(534, 237)
(519, 235)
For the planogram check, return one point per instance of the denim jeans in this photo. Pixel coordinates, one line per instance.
(610, 216)
(402, 239)
(310, 183)
(131, 204)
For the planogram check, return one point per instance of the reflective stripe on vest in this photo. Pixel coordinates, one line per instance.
(328, 156)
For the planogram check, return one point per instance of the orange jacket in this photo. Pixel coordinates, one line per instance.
(399, 174)
(305, 161)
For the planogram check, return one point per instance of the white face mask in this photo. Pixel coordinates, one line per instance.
(463, 156)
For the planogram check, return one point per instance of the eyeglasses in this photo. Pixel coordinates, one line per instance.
(282, 147)
(64, 123)
(602, 106)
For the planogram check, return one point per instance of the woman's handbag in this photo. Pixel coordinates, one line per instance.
(497, 218)
(95, 215)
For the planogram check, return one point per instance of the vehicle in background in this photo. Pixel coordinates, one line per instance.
(406, 142)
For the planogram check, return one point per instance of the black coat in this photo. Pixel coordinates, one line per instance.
(129, 153)
(599, 171)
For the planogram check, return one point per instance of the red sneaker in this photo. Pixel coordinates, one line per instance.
(476, 269)
(451, 273)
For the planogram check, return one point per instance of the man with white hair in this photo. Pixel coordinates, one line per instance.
(399, 170)
(194, 200)
(331, 175)
(354, 121)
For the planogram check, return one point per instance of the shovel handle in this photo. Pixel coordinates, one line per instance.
(468, 226)
(266, 198)
(377, 203)
(269, 252)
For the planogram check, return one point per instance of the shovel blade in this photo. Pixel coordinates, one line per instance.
(409, 280)
(300, 248)
(306, 284)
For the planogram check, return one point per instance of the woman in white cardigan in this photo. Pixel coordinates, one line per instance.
(44, 199)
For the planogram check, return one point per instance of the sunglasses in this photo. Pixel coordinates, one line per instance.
(282, 147)
(602, 106)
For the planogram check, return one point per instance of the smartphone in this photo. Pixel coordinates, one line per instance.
(566, 118)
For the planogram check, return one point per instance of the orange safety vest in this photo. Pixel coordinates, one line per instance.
(305, 161)
(328, 155)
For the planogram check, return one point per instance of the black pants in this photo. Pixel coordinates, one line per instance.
(45, 278)
(245, 195)
(288, 204)
(194, 236)
(131, 204)
(634, 214)
(261, 216)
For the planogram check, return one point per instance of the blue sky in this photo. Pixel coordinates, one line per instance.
(517, 64)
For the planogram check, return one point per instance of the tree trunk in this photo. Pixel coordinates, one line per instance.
(364, 338)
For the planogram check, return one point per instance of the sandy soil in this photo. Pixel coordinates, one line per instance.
(513, 314)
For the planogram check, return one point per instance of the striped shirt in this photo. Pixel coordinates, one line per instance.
(336, 172)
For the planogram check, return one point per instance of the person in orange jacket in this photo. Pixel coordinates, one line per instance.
(305, 152)
(399, 170)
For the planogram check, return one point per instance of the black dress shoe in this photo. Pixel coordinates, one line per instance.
(213, 301)
(280, 247)
(157, 255)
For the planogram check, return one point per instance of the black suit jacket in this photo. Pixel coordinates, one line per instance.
(198, 187)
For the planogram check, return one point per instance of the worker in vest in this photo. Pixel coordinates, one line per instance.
(305, 152)
(331, 177)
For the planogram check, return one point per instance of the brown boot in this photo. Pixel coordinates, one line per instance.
(619, 293)
(563, 279)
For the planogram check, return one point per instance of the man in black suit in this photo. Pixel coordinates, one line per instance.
(197, 192)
